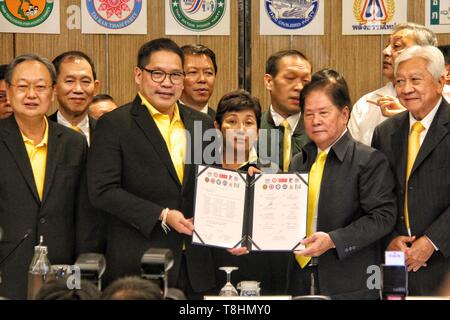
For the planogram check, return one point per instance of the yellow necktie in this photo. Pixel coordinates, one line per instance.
(76, 128)
(413, 150)
(286, 145)
(315, 179)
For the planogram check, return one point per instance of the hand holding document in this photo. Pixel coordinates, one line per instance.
(263, 212)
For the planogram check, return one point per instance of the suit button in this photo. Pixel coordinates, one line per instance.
(346, 250)
(401, 218)
(410, 188)
(42, 220)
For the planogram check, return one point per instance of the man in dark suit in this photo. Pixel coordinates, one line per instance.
(417, 144)
(76, 86)
(40, 175)
(351, 201)
(283, 135)
(141, 172)
(200, 68)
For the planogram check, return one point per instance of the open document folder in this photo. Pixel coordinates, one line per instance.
(264, 212)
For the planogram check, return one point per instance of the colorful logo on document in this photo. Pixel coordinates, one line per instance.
(291, 14)
(373, 11)
(114, 14)
(198, 15)
(26, 13)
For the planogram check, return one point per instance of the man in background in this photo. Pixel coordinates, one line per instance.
(200, 68)
(5, 107)
(76, 86)
(101, 104)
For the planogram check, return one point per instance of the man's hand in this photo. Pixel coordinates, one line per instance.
(176, 220)
(252, 170)
(419, 253)
(400, 243)
(317, 244)
(390, 106)
(238, 251)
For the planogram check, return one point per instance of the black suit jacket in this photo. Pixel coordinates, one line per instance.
(212, 113)
(60, 215)
(132, 178)
(428, 190)
(92, 124)
(357, 208)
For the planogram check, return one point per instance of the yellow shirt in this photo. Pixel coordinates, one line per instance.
(173, 133)
(38, 158)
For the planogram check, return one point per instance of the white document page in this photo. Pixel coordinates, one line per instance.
(279, 211)
(219, 207)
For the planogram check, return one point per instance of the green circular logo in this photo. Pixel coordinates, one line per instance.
(26, 13)
(198, 15)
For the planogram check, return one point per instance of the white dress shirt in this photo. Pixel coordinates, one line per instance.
(83, 125)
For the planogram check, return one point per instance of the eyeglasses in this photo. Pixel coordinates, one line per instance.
(176, 78)
(24, 88)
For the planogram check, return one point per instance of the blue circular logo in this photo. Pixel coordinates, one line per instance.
(114, 14)
(291, 14)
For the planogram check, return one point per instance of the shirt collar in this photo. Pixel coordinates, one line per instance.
(426, 122)
(44, 140)
(204, 110)
(156, 113)
(327, 150)
(83, 124)
(278, 119)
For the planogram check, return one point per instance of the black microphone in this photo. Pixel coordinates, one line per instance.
(25, 237)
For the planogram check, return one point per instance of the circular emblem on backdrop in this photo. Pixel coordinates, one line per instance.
(26, 13)
(291, 14)
(198, 15)
(114, 14)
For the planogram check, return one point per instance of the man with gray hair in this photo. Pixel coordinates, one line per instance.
(40, 175)
(377, 106)
(417, 144)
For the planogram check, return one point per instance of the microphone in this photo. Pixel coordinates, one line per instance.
(25, 237)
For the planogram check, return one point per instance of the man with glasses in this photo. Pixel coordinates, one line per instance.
(5, 107)
(76, 86)
(200, 68)
(141, 173)
(40, 177)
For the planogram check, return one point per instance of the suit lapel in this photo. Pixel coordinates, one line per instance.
(152, 133)
(14, 143)
(399, 148)
(189, 160)
(53, 152)
(438, 131)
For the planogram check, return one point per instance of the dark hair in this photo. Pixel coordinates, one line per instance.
(329, 74)
(3, 68)
(132, 288)
(161, 44)
(272, 62)
(238, 100)
(199, 49)
(29, 57)
(446, 52)
(71, 55)
(58, 290)
(337, 93)
(101, 97)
